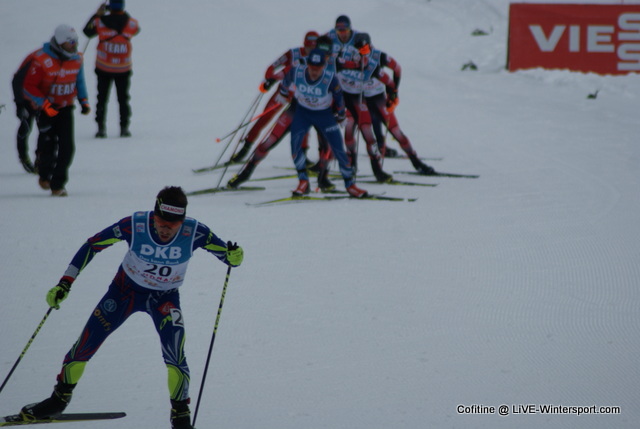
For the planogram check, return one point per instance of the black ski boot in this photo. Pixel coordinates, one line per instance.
(421, 167)
(381, 176)
(389, 152)
(324, 183)
(315, 168)
(180, 415)
(239, 155)
(243, 176)
(50, 407)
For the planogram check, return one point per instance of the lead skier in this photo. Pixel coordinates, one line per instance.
(161, 243)
(319, 104)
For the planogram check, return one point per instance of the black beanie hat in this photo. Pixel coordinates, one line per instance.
(343, 21)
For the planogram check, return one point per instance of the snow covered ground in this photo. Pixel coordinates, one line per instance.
(520, 287)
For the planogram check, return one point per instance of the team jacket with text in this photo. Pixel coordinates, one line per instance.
(57, 79)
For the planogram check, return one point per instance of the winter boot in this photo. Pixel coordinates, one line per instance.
(124, 131)
(50, 407)
(421, 167)
(44, 184)
(239, 155)
(102, 132)
(180, 415)
(381, 176)
(243, 176)
(59, 193)
(302, 189)
(356, 192)
(324, 183)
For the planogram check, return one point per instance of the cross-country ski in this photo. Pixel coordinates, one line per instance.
(17, 420)
(303, 198)
(225, 189)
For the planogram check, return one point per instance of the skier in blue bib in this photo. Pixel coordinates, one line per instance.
(319, 104)
(161, 242)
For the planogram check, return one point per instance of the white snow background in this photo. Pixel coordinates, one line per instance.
(520, 287)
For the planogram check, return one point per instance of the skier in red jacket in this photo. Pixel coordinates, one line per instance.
(381, 96)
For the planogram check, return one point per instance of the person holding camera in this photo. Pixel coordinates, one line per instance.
(113, 60)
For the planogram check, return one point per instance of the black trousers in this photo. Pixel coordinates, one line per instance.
(56, 147)
(122, 82)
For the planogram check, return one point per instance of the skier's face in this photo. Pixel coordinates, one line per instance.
(70, 46)
(344, 34)
(166, 230)
(315, 71)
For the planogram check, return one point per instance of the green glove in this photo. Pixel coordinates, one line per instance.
(235, 254)
(58, 293)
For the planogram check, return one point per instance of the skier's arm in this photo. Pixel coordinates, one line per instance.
(228, 253)
(117, 232)
(81, 87)
(31, 88)
(284, 89)
(388, 61)
(105, 238)
(277, 69)
(338, 97)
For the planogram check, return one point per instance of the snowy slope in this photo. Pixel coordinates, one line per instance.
(518, 288)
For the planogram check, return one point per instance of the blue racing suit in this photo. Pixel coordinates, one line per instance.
(162, 272)
(316, 102)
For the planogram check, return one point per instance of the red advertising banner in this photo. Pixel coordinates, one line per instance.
(598, 38)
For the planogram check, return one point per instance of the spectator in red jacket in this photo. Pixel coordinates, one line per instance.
(54, 78)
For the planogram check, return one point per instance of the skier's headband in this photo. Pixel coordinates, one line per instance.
(168, 212)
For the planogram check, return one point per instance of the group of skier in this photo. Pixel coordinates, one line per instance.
(334, 80)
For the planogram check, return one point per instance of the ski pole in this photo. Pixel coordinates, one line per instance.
(251, 111)
(226, 167)
(213, 338)
(255, 102)
(24, 351)
(218, 140)
(357, 129)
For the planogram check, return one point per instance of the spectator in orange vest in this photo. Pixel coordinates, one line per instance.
(54, 78)
(113, 60)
